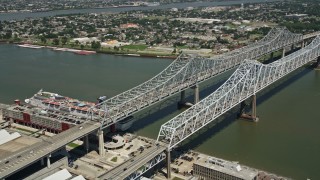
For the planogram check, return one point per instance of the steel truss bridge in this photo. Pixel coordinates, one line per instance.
(185, 72)
(250, 78)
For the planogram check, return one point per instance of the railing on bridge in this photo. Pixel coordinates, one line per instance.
(183, 73)
(247, 80)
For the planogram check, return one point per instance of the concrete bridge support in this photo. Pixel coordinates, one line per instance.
(168, 161)
(272, 56)
(283, 52)
(318, 64)
(48, 161)
(182, 101)
(196, 93)
(86, 143)
(101, 143)
(253, 116)
(254, 108)
(42, 161)
(302, 44)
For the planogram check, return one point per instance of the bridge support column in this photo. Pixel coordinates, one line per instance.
(168, 161)
(182, 101)
(302, 44)
(254, 108)
(101, 142)
(272, 56)
(196, 93)
(48, 161)
(253, 116)
(86, 143)
(283, 52)
(42, 161)
(318, 64)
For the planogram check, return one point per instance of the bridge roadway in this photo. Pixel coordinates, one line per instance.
(310, 35)
(124, 170)
(27, 156)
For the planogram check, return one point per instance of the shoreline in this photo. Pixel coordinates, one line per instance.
(86, 50)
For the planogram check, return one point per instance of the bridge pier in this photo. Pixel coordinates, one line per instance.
(86, 142)
(254, 108)
(318, 64)
(253, 116)
(182, 101)
(271, 56)
(196, 93)
(48, 161)
(168, 161)
(302, 44)
(42, 161)
(101, 143)
(283, 52)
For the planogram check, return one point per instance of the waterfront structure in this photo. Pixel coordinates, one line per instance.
(54, 113)
(54, 122)
(211, 168)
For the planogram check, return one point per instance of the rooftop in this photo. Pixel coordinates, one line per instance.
(227, 167)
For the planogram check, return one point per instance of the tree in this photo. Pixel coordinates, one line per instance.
(95, 45)
(116, 48)
(43, 39)
(56, 41)
(64, 40)
(77, 42)
(8, 35)
(81, 46)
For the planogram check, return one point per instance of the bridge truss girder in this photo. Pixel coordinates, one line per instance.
(183, 73)
(149, 165)
(247, 80)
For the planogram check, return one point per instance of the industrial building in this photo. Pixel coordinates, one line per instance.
(211, 168)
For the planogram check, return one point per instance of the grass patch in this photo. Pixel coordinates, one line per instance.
(139, 47)
(73, 145)
(114, 159)
(182, 47)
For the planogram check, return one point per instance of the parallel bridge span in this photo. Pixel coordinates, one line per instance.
(185, 72)
(250, 77)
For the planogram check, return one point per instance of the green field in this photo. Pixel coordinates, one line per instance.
(139, 47)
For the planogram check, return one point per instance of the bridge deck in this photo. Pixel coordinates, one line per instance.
(127, 168)
(34, 153)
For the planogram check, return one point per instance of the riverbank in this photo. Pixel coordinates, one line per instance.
(23, 15)
(88, 51)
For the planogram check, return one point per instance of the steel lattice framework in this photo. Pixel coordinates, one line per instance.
(183, 73)
(247, 80)
(146, 167)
